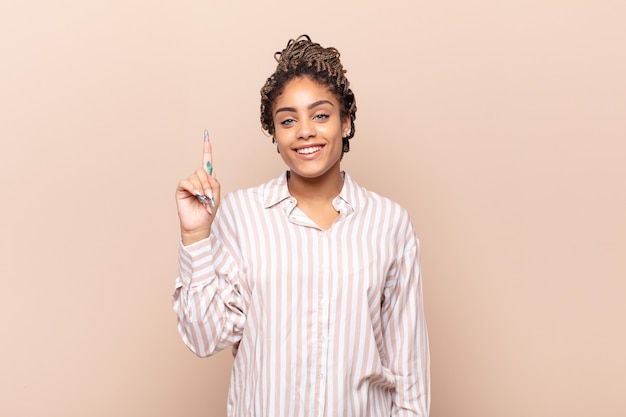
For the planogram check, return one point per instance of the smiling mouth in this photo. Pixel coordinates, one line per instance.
(309, 150)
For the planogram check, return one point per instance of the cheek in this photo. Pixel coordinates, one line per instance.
(282, 144)
(281, 138)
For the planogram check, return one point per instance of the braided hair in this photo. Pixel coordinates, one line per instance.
(302, 57)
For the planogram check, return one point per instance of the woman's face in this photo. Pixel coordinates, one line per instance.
(308, 128)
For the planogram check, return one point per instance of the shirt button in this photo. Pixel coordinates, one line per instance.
(323, 301)
(323, 339)
(322, 376)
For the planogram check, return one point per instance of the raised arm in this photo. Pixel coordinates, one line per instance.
(206, 299)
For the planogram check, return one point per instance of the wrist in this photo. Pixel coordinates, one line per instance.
(191, 237)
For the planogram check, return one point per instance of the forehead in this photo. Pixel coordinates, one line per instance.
(302, 89)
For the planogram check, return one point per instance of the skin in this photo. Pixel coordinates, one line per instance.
(306, 118)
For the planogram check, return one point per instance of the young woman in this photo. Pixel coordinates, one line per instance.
(313, 280)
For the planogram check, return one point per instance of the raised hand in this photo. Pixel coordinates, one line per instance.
(197, 198)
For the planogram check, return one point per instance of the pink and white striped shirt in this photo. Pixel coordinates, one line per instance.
(322, 322)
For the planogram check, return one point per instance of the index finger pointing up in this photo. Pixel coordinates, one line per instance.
(207, 157)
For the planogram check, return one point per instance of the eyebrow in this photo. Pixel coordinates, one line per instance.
(312, 105)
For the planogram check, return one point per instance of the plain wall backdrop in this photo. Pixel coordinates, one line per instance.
(500, 125)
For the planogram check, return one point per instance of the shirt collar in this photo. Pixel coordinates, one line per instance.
(276, 191)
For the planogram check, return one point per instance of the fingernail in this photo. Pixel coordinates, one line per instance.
(206, 135)
(202, 198)
(209, 196)
(209, 168)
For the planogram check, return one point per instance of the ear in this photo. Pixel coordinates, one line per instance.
(345, 127)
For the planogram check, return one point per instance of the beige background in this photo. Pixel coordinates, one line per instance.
(500, 125)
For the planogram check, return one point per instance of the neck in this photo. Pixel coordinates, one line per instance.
(320, 189)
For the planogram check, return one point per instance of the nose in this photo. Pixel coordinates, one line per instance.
(306, 129)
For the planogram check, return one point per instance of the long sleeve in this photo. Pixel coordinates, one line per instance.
(207, 297)
(404, 330)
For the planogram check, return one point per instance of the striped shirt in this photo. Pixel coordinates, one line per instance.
(322, 322)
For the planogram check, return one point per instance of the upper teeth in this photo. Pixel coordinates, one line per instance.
(309, 150)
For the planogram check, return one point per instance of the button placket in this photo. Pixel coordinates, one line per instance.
(323, 315)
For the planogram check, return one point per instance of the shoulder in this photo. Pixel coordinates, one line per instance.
(250, 195)
(376, 199)
(383, 213)
(255, 200)
(240, 208)
(391, 225)
(382, 207)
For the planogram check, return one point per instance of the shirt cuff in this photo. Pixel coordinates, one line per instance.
(195, 262)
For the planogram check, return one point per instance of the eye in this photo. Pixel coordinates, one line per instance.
(287, 122)
(321, 116)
